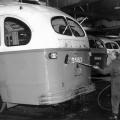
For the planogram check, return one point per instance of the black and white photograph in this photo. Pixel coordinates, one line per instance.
(59, 59)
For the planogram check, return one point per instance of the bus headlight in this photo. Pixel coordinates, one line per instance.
(52, 55)
(90, 54)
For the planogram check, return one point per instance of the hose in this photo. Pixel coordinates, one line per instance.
(98, 98)
(85, 64)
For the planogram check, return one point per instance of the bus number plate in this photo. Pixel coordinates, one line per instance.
(76, 59)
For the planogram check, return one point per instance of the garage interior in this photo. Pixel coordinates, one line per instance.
(100, 17)
(103, 15)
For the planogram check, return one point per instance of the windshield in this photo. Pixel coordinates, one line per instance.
(76, 29)
(118, 42)
(60, 26)
(67, 27)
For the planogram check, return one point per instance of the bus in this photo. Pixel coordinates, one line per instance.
(41, 49)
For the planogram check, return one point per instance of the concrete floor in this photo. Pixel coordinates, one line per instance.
(88, 110)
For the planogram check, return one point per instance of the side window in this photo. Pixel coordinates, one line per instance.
(76, 28)
(99, 44)
(118, 42)
(16, 32)
(60, 26)
(114, 46)
(108, 46)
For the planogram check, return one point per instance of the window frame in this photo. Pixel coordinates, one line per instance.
(109, 44)
(23, 23)
(114, 45)
(77, 25)
(101, 44)
(57, 17)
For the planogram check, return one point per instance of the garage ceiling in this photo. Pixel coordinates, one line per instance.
(106, 9)
(101, 13)
(98, 9)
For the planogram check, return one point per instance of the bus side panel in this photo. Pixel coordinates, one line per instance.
(32, 77)
(67, 77)
(22, 77)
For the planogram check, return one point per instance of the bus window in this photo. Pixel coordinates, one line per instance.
(108, 45)
(60, 26)
(114, 46)
(16, 32)
(99, 44)
(118, 42)
(76, 29)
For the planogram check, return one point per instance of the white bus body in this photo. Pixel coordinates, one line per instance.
(39, 64)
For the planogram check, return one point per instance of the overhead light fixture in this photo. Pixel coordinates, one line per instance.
(117, 7)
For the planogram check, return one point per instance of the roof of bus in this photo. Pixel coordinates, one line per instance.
(37, 9)
(105, 40)
(38, 18)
